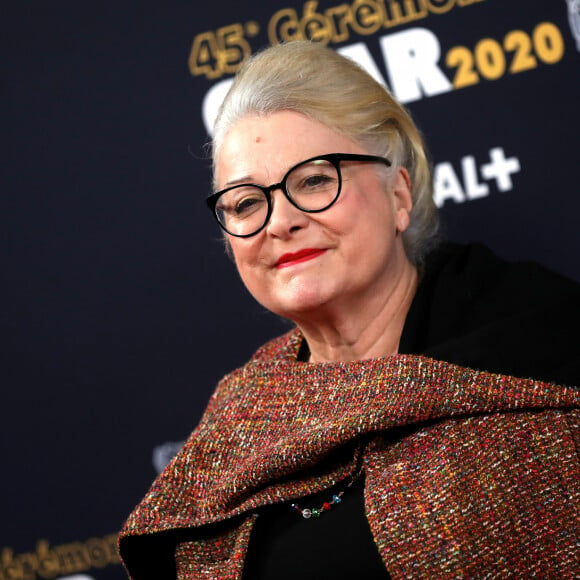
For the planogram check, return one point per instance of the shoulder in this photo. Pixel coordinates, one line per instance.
(473, 280)
(476, 309)
(474, 267)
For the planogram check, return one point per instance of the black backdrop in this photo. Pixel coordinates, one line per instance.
(120, 309)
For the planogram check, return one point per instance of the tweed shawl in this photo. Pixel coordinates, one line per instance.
(467, 473)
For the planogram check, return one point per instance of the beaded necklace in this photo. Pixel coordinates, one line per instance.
(308, 513)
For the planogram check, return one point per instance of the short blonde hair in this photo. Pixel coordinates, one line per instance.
(314, 80)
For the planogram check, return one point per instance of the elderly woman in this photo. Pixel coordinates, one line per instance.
(387, 433)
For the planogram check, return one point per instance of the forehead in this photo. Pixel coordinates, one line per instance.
(263, 147)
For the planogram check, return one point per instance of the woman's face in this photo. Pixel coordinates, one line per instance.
(305, 265)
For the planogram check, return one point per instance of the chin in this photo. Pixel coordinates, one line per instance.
(298, 306)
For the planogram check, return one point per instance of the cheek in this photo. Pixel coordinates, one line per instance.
(246, 258)
(241, 248)
(241, 259)
(369, 213)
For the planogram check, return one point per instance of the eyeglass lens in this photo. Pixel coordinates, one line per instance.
(310, 186)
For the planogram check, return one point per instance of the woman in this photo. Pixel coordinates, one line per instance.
(373, 439)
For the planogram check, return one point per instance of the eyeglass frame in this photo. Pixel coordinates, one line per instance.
(333, 158)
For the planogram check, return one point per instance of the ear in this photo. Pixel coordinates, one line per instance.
(403, 200)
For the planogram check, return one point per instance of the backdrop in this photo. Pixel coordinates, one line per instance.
(120, 308)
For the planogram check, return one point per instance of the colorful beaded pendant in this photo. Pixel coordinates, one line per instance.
(308, 513)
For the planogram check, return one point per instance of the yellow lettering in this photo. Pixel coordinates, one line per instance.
(215, 53)
(548, 42)
(518, 42)
(28, 564)
(73, 557)
(368, 16)
(98, 554)
(315, 26)
(233, 48)
(461, 58)
(395, 15)
(10, 570)
(439, 6)
(202, 58)
(284, 26)
(340, 17)
(490, 59)
(48, 561)
(110, 543)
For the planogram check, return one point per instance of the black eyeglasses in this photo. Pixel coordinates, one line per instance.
(312, 186)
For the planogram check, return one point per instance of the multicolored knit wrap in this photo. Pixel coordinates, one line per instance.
(467, 474)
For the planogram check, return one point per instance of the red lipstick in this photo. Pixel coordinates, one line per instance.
(295, 258)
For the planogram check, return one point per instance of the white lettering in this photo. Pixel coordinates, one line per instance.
(212, 102)
(446, 185)
(500, 169)
(411, 58)
(473, 188)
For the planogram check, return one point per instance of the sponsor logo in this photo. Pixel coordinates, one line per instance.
(472, 180)
(418, 66)
(64, 561)
(215, 53)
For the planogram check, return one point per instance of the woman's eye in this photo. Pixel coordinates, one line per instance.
(315, 181)
(247, 205)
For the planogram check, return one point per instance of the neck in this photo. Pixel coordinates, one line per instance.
(368, 328)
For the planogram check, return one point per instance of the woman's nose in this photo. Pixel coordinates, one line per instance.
(285, 218)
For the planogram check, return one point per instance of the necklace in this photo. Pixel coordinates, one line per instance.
(308, 513)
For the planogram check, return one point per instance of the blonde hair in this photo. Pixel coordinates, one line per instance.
(314, 80)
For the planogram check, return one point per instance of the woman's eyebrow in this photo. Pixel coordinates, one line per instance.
(238, 181)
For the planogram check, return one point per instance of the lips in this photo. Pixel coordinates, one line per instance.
(295, 258)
